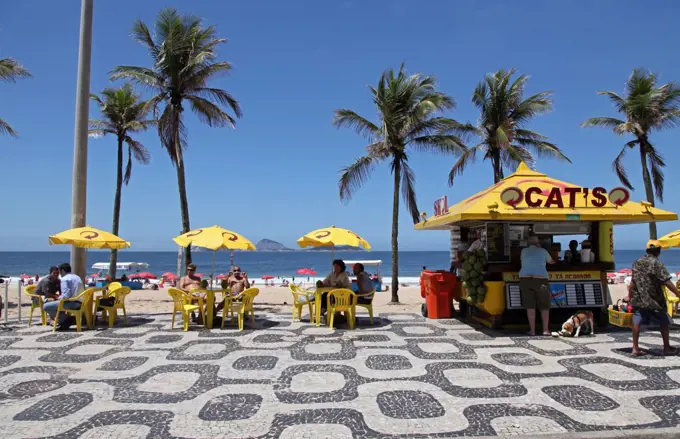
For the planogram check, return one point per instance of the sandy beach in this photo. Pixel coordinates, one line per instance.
(276, 298)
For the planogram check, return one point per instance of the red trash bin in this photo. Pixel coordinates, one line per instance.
(439, 288)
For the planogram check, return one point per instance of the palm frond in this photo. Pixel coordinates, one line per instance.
(618, 102)
(619, 168)
(408, 190)
(465, 159)
(140, 75)
(656, 165)
(606, 122)
(222, 97)
(512, 155)
(141, 33)
(362, 126)
(128, 168)
(353, 176)
(11, 70)
(439, 144)
(5, 128)
(210, 113)
(139, 151)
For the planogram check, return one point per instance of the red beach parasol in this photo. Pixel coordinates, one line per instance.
(306, 272)
(142, 275)
(267, 277)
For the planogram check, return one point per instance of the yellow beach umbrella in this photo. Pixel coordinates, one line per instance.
(215, 238)
(670, 240)
(89, 237)
(332, 236)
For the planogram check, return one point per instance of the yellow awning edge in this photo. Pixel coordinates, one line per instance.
(507, 201)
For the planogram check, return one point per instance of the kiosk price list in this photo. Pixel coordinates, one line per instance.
(577, 294)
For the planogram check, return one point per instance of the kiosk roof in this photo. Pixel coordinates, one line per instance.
(487, 206)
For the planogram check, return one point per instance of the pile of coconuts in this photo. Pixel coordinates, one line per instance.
(473, 275)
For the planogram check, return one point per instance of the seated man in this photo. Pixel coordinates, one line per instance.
(237, 282)
(49, 286)
(190, 282)
(71, 286)
(364, 284)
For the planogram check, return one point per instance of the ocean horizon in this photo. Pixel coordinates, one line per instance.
(272, 263)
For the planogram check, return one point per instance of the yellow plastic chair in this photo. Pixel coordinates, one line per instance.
(302, 297)
(85, 299)
(30, 292)
(113, 286)
(672, 302)
(182, 303)
(368, 306)
(342, 300)
(242, 304)
(198, 299)
(120, 294)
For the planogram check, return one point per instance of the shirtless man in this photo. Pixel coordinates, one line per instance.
(191, 282)
(237, 283)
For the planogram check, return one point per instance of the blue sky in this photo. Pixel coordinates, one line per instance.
(294, 63)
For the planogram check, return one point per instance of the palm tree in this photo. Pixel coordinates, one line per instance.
(407, 109)
(10, 71)
(504, 114)
(646, 108)
(123, 114)
(183, 54)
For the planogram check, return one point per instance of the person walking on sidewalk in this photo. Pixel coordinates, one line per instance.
(645, 293)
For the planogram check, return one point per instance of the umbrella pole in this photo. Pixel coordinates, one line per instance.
(212, 273)
(231, 259)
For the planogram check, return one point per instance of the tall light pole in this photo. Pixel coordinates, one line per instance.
(79, 189)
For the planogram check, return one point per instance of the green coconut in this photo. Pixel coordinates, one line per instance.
(469, 300)
(473, 274)
(466, 255)
(466, 276)
(481, 290)
(475, 282)
(478, 266)
(480, 253)
(467, 266)
(472, 259)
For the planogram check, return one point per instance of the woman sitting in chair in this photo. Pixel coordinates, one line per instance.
(337, 279)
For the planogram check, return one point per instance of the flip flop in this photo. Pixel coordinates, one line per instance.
(547, 334)
(638, 353)
(532, 334)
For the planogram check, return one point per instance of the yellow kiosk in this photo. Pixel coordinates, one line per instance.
(499, 220)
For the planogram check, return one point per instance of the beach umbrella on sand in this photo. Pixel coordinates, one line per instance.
(215, 238)
(306, 272)
(221, 276)
(267, 277)
(89, 237)
(332, 236)
(168, 274)
(625, 271)
(142, 275)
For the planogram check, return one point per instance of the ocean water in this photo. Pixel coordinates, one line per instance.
(278, 264)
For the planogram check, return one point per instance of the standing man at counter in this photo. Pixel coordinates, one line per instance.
(534, 285)
(645, 293)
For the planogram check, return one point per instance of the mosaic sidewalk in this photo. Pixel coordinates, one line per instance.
(405, 376)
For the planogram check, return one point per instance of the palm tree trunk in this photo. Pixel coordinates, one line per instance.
(183, 203)
(497, 168)
(181, 184)
(649, 189)
(116, 209)
(395, 232)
